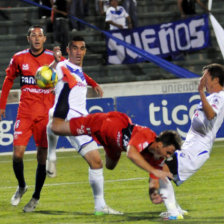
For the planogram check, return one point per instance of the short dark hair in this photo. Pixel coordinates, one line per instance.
(215, 71)
(75, 38)
(33, 27)
(170, 137)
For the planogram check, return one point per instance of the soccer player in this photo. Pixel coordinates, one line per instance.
(116, 133)
(70, 101)
(205, 123)
(32, 116)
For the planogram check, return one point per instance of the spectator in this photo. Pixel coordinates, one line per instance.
(187, 7)
(86, 7)
(60, 24)
(77, 9)
(44, 12)
(116, 16)
(131, 8)
(101, 7)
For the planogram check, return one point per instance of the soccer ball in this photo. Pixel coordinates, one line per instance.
(46, 77)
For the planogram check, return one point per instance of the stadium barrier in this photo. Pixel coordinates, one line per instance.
(159, 112)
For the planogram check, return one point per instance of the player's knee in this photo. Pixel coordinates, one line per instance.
(18, 153)
(96, 164)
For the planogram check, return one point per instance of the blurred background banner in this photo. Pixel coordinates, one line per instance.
(164, 40)
(163, 111)
(159, 112)
(7, 124)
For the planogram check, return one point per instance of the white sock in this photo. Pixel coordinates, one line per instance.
(52, 144)
(167, 191)
(96, 181)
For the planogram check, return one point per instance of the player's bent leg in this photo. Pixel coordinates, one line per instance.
(166, 189)
(51, 155)
(18, 168)
(51, 168)
(96, 180)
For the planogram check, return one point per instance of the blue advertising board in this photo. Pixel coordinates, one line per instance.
(7, 124)
(159, 112)
(162, 112)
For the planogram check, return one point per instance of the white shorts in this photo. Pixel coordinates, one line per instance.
(190, 159)
(82, 144)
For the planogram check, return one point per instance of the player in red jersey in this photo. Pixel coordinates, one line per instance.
(32, 115)
(116, 133)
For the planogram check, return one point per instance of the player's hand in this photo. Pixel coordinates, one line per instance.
(57, 53)
(155, 197)
(162, 174)
(2, 114)
(98, 90)
(201, 85)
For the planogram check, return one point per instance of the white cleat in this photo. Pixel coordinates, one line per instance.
(108, 211)
(16, 198)
(31, 205)
(51, 168)
(169, 216)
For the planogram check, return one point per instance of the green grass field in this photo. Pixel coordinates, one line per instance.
(68, 197)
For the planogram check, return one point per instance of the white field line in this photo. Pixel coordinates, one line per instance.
(81, 182)
(75, 156)
(71, 149)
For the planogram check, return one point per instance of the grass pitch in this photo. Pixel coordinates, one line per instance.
(68, 197)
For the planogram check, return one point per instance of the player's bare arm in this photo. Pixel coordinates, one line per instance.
(98, 90)
(57, 56)
(139, 160)
(207, 108)
(154, 194)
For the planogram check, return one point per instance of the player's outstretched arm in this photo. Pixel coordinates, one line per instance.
(154, 194)
(139, 160)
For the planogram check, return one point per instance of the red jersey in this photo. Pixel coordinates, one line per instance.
(24, 64)
(115, 131)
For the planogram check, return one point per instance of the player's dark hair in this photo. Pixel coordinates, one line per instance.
(170, 137)
(33, 27)
(75, 38)
(215, 71)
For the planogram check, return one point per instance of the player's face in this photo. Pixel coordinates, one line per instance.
(76, 52)
(36, 40)
(164, 151)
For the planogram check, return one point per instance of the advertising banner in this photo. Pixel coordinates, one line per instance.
(164, 40)
(7, 124)
(162, 112)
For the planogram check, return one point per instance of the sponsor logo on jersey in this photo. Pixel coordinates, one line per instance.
(25, 67)
(27, 80)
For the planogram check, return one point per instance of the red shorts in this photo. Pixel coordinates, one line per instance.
(105, 128)
(25, 127)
